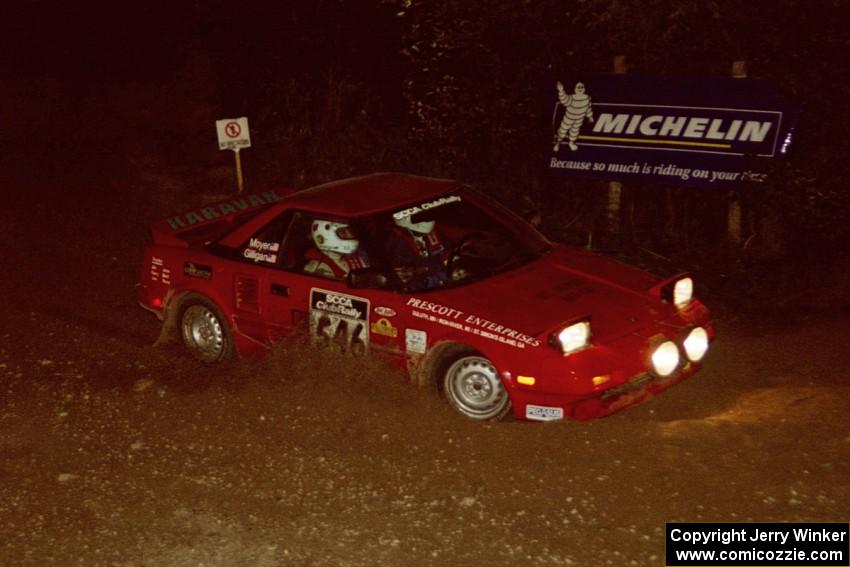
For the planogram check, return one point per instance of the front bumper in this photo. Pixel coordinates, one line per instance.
(540, 406)
(623, 368)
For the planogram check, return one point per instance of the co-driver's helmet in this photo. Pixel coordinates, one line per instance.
(331, 236)
(424, 227)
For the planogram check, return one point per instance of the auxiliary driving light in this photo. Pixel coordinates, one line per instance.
(665, 359)
(683, 292)
(696, 344)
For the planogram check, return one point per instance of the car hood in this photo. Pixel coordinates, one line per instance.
(563, 285)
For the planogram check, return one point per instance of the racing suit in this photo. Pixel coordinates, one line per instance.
(425, 254)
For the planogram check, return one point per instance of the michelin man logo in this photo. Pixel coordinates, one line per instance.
(576, 109)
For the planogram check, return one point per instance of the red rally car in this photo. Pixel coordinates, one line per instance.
(474, 300)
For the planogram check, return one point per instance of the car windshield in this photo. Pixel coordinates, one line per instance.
(450, 240)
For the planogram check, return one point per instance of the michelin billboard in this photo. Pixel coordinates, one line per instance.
(718, 132)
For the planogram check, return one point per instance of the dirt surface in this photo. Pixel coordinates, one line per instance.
(115, 452)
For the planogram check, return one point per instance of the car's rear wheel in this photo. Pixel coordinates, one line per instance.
(205, 332)
(472, 386)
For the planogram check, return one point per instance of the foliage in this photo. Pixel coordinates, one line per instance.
(438, 87)
(306, 74)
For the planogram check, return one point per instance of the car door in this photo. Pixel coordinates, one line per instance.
(266, 295)
(331, 313)
(290, 299)
(274, 296)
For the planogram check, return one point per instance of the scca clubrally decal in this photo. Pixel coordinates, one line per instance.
(340, 319)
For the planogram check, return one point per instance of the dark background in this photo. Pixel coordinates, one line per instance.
(114, 451)
(333, 88)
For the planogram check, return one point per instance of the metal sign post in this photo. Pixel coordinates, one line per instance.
(733, 214)
(233, 134)
(238, 170)
(615, 188)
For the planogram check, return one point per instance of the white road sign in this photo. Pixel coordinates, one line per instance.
(233, 133)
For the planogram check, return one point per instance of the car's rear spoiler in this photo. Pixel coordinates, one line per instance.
(212, 220)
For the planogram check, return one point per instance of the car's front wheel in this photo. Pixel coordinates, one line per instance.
(472, 386)
(205, 332)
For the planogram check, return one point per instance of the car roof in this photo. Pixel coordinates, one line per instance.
(369, 194)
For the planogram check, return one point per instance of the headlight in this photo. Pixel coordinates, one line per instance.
(574, 337)
(665, 359)
(683, 292)
(696, 344)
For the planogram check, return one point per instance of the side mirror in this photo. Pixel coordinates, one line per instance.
(367, 278)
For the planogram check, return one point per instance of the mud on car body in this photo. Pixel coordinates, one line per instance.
(471, 298)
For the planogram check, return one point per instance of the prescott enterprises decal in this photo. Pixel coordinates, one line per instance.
(710, 132)
(340, 320)
(468, 323)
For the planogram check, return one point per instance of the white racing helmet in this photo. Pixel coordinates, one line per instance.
(331, 236)
(423, 227)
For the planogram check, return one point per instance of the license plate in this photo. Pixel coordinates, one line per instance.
(543, 413)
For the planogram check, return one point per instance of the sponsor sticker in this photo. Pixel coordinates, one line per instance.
(543, 413)
(426, 206)
(385, 311)
(384, 328)
(415, 341)
(339, 319)
(469, 323)
(194, 270)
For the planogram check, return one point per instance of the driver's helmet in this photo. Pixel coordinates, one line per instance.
(424, 227)
(331, 236)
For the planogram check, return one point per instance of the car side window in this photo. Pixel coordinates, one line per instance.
(266, 246)
(334, 248)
